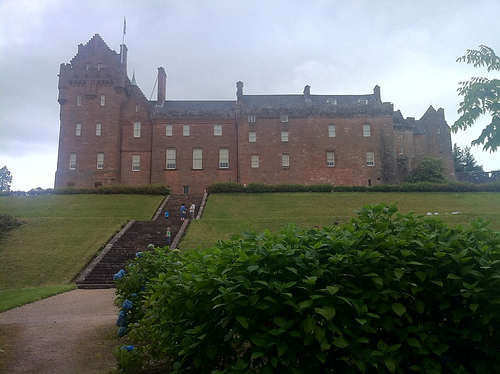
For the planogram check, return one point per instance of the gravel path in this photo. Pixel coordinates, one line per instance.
(61, 334)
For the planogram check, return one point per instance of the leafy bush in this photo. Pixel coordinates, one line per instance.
(429, 170)
(8, 223)
(449, 186)
(385, 293)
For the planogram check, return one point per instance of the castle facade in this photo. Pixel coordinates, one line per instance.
(110, 133)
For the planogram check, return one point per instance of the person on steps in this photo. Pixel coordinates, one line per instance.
(192, 208)
(183, 212)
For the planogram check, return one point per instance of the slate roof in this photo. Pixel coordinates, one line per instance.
(263, 101)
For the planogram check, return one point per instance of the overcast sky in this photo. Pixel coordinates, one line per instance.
(408, 48)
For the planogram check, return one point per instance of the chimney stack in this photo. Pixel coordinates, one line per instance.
(162, 87)
(307, 93)
(376, 92)
(239, 91)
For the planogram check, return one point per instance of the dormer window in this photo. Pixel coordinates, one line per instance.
(363, 101)
(251, 118)
(284, 118)
(331, 101)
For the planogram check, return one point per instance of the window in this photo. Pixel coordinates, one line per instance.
(284, 118)
(370, 158)
(78, 129)
(99, 66)
(438, 130)
(401, 150)
(137, 129)
(185, 189)
(217, 130)
(331, 131)
(185, 130)
(72, 161)
(79, 100)
(136, 108)
(284, 136)
(255, 161)
(251, 118)
(98, 128)
(103, 100)
(331, 101)
(367, 132)
(136, 162)
(400, 134)
(363, 101)
(168, 130)
(197, 158)
(330, 159)
(252, 137)
(100, 160)
(171, 158)
(223, 158)
(285, 160)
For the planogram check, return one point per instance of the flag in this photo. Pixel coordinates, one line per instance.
(124, 26)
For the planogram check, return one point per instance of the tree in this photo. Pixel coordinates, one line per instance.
(428, 170)
(5, 179)
(481, 96)
(464, 161)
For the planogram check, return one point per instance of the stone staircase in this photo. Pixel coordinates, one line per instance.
(133, 238)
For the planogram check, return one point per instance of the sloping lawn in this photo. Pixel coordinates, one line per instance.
(61, 235)
(230, 214)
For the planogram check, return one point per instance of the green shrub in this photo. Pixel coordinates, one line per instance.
(429, 170)
(418, 186)
(8, 223)
(385, 293)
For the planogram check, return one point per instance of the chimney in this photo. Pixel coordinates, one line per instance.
(123, 55)
(162, 86)
(376, 92)
(307, 94)
(239, 91)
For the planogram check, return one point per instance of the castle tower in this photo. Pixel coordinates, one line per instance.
(91, 95)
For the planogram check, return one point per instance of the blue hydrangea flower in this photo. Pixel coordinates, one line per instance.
(139, 254)
(119, 275)
(127, 304)
(128, 348)
(121, 321)
(122, 331)
(134, 295)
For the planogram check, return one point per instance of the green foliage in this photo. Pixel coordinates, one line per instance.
(481, 96)
(385, 293)
(148, 189)
(8, 223)
(418, 186)
(5, 179)
(464, 161)
(428, 170)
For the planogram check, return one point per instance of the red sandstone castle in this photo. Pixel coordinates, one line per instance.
(111, 134)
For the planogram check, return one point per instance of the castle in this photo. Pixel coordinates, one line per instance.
(110, 133)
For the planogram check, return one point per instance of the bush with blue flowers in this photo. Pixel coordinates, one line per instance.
(386, 293)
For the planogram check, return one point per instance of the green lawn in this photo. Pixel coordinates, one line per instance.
(61, 235)
(230, 214)
(64, 232)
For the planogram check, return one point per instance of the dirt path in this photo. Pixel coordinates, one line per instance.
(68, 333)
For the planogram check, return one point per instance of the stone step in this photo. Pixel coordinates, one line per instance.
(136, 239)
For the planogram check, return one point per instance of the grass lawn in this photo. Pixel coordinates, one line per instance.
(61, 235)
(230, 214)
